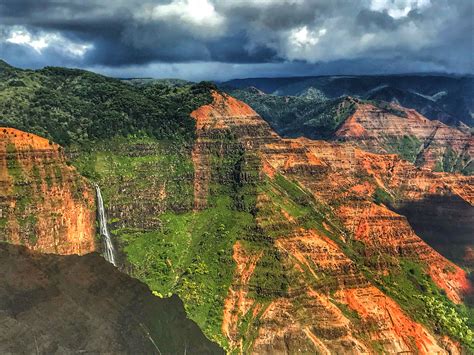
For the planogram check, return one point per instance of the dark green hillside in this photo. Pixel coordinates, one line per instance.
(76, 106)
(293, 116)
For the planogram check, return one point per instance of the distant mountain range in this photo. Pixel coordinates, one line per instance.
(373, 125)
(447, 98)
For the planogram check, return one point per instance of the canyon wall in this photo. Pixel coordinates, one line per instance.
(340, 249)
(283, 245)
(44, 203)
(394, 129)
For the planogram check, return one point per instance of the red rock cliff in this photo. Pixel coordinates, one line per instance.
(331, 306)
(44, 203)
(427, 143)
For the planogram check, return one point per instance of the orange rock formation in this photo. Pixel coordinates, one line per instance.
(343, 178)
(378, 130)
(44, 203)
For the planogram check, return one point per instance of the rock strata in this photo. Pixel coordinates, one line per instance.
(44, 203)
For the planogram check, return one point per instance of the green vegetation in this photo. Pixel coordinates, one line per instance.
(416, 292)
(449, 319)
(74, 106)
(191, 255)
(24, 193)
(295, 116)
(14, 168)
(140, 171)
(451, 162)
(388, 108)
(380, 196)
(406, 147)
(270, 278)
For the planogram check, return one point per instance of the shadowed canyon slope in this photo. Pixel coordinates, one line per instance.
(44, 203)
(70, 304)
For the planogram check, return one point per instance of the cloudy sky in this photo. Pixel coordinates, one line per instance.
(222, 39)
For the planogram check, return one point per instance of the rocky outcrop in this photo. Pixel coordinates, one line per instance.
(224, 127)
(394, 129)
(51, 304)
(322, 209)
(44, 203)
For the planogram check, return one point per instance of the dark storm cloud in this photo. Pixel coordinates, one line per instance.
(375, 20)
(316, 35)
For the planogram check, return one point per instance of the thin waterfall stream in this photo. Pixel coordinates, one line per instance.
(109, 250)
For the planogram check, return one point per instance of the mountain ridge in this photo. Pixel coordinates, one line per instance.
(383, 127)
(455, 106)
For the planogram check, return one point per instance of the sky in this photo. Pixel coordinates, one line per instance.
(224, 39)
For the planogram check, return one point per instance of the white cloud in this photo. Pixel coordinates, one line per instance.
(41, 41)
(398, 8)
(301, 37)
(301, 42)
(199, 13)
(24, 38)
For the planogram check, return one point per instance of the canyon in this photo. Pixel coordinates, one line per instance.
(274, 245)
(335, 182)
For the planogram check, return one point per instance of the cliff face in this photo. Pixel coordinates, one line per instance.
(44, 203)
(350, 181)
(341, 252)
(68, 304)
(415, 138)
(225, 126)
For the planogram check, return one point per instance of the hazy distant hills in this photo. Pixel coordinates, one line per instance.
(447, 98)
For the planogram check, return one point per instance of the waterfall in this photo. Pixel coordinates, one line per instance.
(109, 252)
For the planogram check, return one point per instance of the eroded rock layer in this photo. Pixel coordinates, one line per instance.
(44, 203)
(394, 129)
(321, 269)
